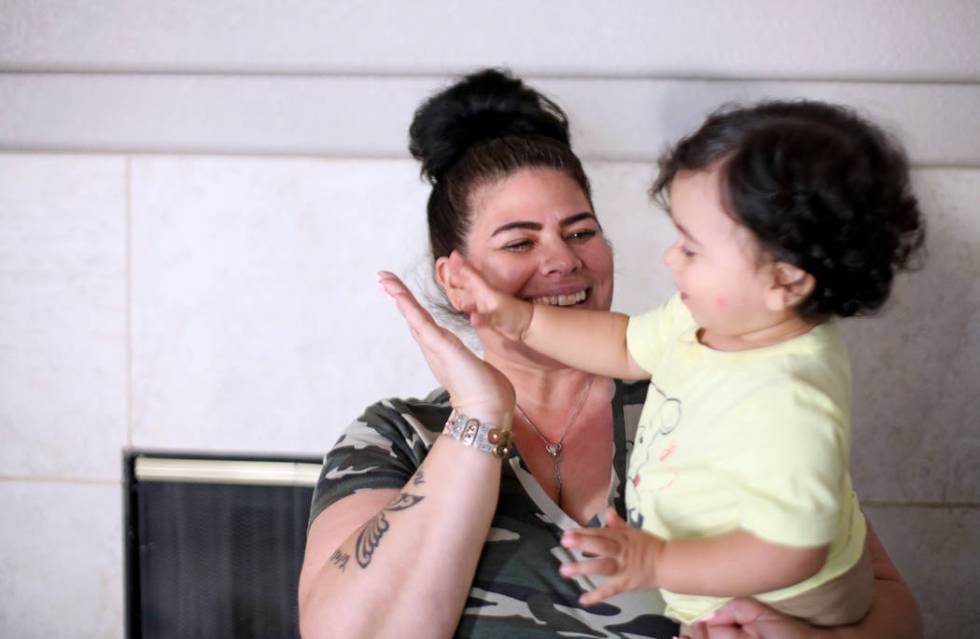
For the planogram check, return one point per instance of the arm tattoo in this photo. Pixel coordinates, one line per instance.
(403, 501)
(419, 478)
(367, 541)
(339, 558)
(370, 536)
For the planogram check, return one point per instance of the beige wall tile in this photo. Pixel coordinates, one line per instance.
(767, 38)
(63, 323)
(62, 560)
(257, 322)
(917, 366)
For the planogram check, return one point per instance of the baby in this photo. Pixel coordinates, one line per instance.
(788, 216)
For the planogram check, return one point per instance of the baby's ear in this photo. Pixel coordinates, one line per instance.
(790, 286)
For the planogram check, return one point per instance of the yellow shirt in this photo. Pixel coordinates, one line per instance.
(757, 440)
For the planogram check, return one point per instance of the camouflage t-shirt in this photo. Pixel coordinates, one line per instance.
(517, 591)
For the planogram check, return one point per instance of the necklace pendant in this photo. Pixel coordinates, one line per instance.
(553, 449)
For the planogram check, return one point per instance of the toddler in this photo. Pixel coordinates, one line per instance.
(788, 216)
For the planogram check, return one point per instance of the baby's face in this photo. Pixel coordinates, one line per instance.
(718, 266)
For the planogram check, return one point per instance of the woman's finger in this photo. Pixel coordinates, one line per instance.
(700, 631)
(432, 338)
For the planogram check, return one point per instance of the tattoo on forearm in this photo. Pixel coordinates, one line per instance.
(404, 501)
(339, 558)
(370, 536)
(419, 478)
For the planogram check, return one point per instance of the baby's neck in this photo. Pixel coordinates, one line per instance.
(789, 328)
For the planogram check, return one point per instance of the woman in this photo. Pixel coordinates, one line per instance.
(417, 534)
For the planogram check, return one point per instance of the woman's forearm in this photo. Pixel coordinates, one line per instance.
(894, 612)
(407, 571)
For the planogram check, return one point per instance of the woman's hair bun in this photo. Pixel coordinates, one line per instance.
(482, 106)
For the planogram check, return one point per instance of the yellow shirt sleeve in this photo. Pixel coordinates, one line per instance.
(647, 334)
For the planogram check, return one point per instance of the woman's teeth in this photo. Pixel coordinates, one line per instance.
(559, 300)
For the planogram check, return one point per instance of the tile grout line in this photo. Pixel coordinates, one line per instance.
(129, 301)
(46, 479)
(343, 156)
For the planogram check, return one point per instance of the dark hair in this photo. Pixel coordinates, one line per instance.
(483, 128)
(819, 187)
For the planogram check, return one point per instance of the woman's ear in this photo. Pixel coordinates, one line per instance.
(442, 277)
(789, 287)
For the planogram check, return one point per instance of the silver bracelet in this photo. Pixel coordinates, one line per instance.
(483, 436)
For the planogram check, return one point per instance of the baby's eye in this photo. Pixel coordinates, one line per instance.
(686, 252)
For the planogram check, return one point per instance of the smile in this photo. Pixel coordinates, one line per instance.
(560, 300)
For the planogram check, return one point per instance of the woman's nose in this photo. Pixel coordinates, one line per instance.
(560, 258)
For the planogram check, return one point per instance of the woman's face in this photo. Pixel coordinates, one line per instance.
(534, 235)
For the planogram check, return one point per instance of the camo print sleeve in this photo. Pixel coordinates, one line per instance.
(381, 449)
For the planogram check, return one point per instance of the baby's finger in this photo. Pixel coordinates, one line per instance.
(477, 294)
(604, 566)
(597, 541)
(613, 520)
(600, 594)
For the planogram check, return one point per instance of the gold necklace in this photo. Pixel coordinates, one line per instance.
(554, 448)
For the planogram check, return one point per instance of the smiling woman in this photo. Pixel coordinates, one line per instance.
(444, 516)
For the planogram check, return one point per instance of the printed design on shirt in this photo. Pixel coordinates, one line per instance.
(663, 421)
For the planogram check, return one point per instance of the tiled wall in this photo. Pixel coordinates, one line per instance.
(189, 232)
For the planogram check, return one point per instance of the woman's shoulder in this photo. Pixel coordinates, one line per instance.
(399, 421)
(382, 448)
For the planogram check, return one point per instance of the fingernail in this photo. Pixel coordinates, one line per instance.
(385, 291)
(707, 616)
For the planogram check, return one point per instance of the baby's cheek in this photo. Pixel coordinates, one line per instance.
(721, 303)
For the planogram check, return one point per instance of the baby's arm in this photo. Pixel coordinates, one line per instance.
(589, 340)
(737, 564)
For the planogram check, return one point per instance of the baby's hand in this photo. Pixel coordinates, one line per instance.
(470, 293)
(626, 556)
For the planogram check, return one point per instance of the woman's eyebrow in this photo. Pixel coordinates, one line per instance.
(578, 217)
(535, 226)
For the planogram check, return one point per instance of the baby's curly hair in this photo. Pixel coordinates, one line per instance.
(820, 188)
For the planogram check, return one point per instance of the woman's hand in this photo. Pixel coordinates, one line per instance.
(894, 612)
(476, 388)
(747, 618)
(626, 556)
(486, 306)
